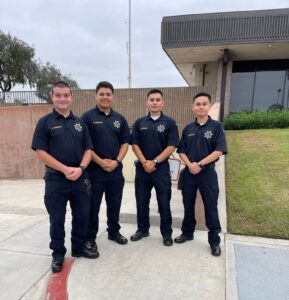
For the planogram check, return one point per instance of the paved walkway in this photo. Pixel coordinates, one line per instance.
(249, 268)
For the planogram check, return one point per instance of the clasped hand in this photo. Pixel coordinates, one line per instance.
(109, 165)
(72, 173)
(149, 166)
(194, 168)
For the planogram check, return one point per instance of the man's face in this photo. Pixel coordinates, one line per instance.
(201, 106)
(61, 98)
(104, 98)
(155, 103)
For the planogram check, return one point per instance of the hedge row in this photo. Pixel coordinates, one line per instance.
(257, 120)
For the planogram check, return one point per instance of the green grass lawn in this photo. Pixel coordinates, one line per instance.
(257, 182)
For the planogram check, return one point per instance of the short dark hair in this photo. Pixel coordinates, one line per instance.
(104, 84)
(202, 94)
(60, 84)
(155, 91)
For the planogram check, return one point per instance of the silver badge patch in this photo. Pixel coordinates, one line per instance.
(161, 128)
(116, 124)
(208, 134)
(78, 127)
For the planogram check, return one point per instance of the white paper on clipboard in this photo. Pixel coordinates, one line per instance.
(175, 166)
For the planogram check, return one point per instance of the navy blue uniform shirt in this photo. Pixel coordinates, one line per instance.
(198, 141)
(66, 139)
(108, 132)
(153, 136)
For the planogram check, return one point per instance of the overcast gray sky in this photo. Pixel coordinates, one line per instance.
(88, 38)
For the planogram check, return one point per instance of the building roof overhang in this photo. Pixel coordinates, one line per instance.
(249, 35)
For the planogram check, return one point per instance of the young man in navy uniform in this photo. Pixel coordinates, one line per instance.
(62, 142)
(154, 139)
(201, 145)
(110, 138)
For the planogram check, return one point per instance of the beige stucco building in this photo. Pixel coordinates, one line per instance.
(245, 54)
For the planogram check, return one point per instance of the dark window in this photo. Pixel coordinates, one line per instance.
(259, 84)
(260, 65)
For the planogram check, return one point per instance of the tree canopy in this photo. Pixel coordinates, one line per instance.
(18, 66)
(16, 62)
(47, 75)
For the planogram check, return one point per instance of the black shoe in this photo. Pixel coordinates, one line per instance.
(167, 241)
(216, 250)
(118, 238)
(89, 251)
(138, 236)
(90, 244)
(183, 238)
(56, 265)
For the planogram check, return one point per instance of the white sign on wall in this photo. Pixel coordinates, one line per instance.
(175, 166)
(9, 98)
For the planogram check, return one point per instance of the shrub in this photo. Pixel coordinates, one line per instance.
(276, 107)
(257, 120)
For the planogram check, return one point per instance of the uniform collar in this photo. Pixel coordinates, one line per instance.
(198, 124)
(150, 118)
(111, 112)
(57, 115)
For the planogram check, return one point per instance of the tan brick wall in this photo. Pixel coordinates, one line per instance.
(17, 159)
(17, 124)
(131, 102)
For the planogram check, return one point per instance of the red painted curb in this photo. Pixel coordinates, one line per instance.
(57, 285)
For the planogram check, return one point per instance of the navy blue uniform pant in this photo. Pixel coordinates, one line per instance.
(207, 183)
(58, 191)
(112, 187)
(144, 182)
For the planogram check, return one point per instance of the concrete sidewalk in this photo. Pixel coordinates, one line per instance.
(138, 270)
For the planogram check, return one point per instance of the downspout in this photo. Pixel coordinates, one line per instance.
(223, 83)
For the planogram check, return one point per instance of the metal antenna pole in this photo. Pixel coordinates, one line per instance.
(129, 47)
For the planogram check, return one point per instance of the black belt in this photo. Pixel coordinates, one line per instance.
(51, 170)
(209, 166)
